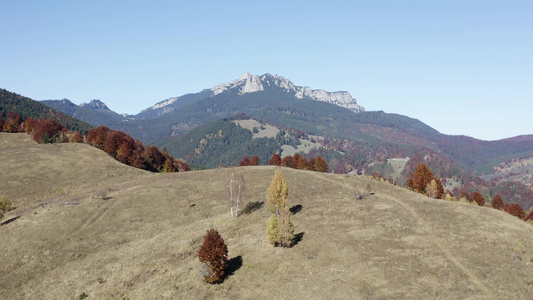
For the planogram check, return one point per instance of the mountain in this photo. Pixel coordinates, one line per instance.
(85, 224)
(27, 107)
(277, 101)
(95, 112)
(95, 104)
(249, 83)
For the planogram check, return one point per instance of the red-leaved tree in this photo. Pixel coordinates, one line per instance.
(275, 160)
(497, 201)
(245, 161)
(46, 130)
(480, 200)
(254, 161)
(420, 178)
(514, 209)
(214, 253)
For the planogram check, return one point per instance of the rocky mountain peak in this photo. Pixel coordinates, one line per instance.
(95, 104)
(249, 83)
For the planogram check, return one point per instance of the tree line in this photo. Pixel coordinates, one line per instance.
(317, 164)
(424, 182)
(119, 145)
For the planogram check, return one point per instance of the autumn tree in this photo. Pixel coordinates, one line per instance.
(214, 254)
(497, 201)
(96, 137)
(514, 209)
(286, 161)
(46, 130)
(301, 163)
(296, 158)
(234, 192)
(320, 164)
(245, 161)
(155, 160)
(277, 193)
(77, 137)
(285, 228)
(480, 200)
(272, 230)
(420, 178)
(12, 122)
(275, 160)
(254, 161)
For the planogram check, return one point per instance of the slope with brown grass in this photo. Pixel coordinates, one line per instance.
(92, 225)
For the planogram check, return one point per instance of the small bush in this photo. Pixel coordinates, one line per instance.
(5, 206)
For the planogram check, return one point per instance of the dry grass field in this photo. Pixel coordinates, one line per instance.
(89, 224)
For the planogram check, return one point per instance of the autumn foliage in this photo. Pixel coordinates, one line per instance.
(275, 160)
(514, 209)
(422, 181)
(125, 149)
(480, 200)
(214, 253)
(497, 201)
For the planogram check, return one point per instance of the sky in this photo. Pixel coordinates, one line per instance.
(462, 67)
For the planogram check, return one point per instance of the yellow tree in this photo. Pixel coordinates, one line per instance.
(277, 193)
(285, 228)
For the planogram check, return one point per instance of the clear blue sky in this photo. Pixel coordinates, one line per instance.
(462, 67)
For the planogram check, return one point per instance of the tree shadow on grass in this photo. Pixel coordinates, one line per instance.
(297, 238)
(295, 209)
(252, 206)
(234, 264)
(10, 220)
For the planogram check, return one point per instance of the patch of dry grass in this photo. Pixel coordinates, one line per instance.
(141, 242)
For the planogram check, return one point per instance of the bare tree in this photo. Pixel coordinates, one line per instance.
(234, 192)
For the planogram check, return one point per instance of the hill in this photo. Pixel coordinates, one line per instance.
(27, 107)
(92, 225)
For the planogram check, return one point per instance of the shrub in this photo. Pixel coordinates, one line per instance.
(497, 201)
(480, 200)
(514, 209)
(5, 206)
(214, 254)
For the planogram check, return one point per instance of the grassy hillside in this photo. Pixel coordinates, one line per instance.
(92, 225)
